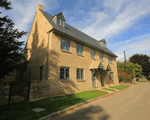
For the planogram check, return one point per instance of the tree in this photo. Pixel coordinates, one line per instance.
(11, 52)
(143, 60)
(137, 67)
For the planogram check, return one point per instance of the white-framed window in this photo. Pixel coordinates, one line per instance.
(79, 49)
(80, 75)
(65, 45)
(101, 56)
(111, 75)
(64, 73)
(109, 59)
(61, 22)
(58, 21)
(92, 52)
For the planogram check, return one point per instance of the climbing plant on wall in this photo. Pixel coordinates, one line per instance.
(130, 66)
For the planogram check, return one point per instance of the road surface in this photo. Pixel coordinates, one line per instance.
(131, 104)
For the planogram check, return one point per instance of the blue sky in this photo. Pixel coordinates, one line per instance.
(124, 24)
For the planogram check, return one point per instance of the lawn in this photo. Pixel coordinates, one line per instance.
(143, 81)
(108, 89)
(23, 110)
(119, 87)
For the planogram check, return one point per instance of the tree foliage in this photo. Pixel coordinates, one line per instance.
(137, 67)
(143, 60)
(11, 52)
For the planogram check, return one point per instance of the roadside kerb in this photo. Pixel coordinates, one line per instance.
(58, 113)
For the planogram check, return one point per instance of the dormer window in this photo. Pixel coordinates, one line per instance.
(61, 22)
(55, 20)
(59, 19)
(102, 43)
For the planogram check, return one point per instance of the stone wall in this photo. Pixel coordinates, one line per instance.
(4, 94)
(38, 90)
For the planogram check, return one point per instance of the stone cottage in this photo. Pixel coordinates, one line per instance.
(68, 59)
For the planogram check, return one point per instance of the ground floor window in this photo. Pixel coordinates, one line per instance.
(80, 74)
(111, 75)
(64, 73)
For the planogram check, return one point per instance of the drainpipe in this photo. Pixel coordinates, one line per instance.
(47, 56)
(47, 53)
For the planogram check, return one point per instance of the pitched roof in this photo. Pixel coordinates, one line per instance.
(78, 35)
(60, 13)
(95, 65)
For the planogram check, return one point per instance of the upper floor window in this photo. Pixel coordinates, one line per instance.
(80, 73)
(64, 73)
(92, 53)
(101, 56)
(65, 45)
(79, 49)
(110, 59)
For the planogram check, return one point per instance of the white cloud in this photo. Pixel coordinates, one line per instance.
(135, 45)
(23, 13)
(116, 16)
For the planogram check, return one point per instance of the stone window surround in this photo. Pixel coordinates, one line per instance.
(64, 74)
(79, 49)
(81, 71)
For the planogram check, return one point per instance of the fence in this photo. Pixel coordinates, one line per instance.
(10, 93)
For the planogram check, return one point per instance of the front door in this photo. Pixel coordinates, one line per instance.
(102, 80)
(93, 81)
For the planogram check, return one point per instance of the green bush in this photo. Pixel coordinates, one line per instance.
(121, 79)
(130, 66)
(125, 80)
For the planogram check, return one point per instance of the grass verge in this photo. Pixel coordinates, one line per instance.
(23, 110)
(119, 87)
(108, 89)
(143, 81)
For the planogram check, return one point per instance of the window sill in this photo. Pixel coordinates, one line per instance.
(66, 51)
(80, 80)
(80, 55)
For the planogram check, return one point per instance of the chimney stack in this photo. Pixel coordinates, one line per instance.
(40, 7)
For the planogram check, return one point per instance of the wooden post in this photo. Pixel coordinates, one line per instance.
(126, 64)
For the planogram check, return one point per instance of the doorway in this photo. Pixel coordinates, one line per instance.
(93, 80)
(102, 80)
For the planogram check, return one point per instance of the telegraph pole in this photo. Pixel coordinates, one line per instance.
(125, 64)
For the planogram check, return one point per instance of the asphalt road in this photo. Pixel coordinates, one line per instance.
(131, 104)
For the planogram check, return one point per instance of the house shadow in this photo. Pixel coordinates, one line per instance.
(92, 112)
(40, 56)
